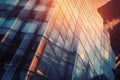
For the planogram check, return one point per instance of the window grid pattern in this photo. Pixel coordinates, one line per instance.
(20, 34)
(54, 40)
(74, 47)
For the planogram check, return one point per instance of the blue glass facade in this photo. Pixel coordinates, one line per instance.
(54, 40)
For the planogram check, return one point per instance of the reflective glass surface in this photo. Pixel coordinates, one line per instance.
(54, 40)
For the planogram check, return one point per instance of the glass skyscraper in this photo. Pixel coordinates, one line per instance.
(54, 40)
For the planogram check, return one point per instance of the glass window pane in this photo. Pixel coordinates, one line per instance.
(40, 8)
(8, 23)
(29, 27)
(16, 25)
(54, 36)
(10, 2)
(42, 28)
(1, 21)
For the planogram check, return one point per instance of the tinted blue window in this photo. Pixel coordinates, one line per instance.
(29, 27)
(16, 25)
(3, 31)
(8, 23)
(1, 21)
(42, 28)
(10, 2)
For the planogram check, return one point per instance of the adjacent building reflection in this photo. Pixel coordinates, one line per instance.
(111, 18)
